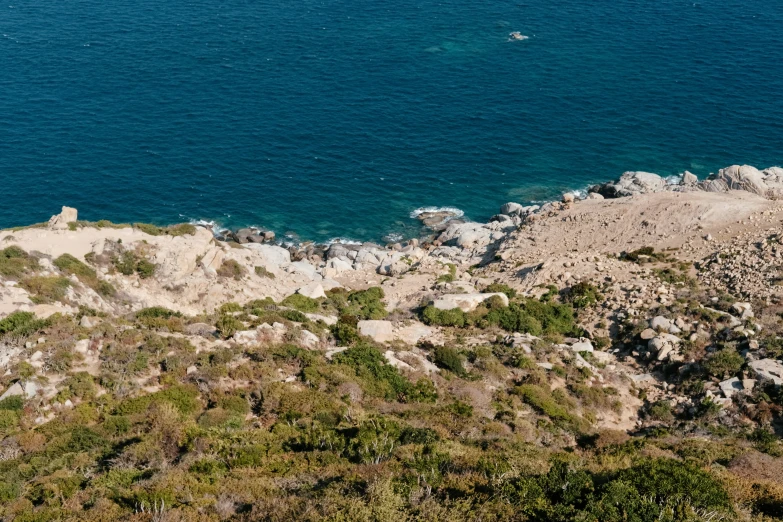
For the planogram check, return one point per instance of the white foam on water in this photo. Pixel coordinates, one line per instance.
(419, 211)
(393, 237)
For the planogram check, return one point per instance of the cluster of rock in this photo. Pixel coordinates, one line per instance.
(767, 183)
(246, 235)
(745, 267)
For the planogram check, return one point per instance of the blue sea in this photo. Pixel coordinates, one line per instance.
(332, 118)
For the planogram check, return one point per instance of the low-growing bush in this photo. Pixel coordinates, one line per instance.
(501, 288)
(15, 262)
(181, 229)
(449, 359)
(302, 303)
(263, 272)
(231, 269)
(434, 316)
(46, 289)
(583, 295)
(72, 266)
(228, 325)
(723, 363)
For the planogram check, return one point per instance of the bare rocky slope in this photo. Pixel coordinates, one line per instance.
(580, 341)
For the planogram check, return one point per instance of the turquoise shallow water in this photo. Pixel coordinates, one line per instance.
(331, 118)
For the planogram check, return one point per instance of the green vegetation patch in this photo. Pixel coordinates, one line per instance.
(182, 229)
(72, 266)
(46, 289)
(16, 263)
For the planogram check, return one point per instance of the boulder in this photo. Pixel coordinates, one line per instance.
(689, 179)
(768, 370)
(312, 290)
(731, 387)
(594, 195)
(60, 221)
(82, 346)
(511, 209)
(28, 391)
(88, 322)
(378, 331)
(631, 183)
(569, 198)
(744, 310)
(309, 339)
(204, 329)
(648, 334)
(245, 337)
(745, 178)
(583, 345)
(465, 302)
(413, 333)
(273, 255)
(242, 235)
(211, 261)
(437, 219)
(397, 363)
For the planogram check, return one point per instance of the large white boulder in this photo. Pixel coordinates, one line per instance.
(312, 290)
(745, 178)
(60, 221)
(378, 331)
(273, 255)
(768, 370)
(465, 302)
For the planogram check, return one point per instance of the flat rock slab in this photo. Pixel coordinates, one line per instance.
(413, 333)
(768, 370)
(378, 331)
(465, 302)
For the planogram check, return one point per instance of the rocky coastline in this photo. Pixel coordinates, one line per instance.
(621, 339)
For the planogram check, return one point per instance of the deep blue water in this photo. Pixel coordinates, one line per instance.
(338, 118)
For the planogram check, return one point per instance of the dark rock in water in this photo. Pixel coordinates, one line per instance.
(436, 218)
(501, 218)
(629, 184)
(268, 235)
(336, 250)
(241, 236)
(256, 238)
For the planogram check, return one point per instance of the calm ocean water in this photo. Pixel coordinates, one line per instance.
(334, 118)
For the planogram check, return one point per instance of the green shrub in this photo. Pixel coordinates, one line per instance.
(145, 268)
(46, 289)
(8, 419)
(723, 363)
(301, 303)
(379, 378)
(434, 316)
(15, 402)
(231, 268)
(451, 276)
(228, 325)
(182, 229)
(583, 295)
(263, 272)
(15, 262)
(661, 411)
(501, 288)
(544, 402)
(449, 359)
(183, 397)
(344, 333)
(72, 266)
(125, 263)
(22, 324)
(367, 304)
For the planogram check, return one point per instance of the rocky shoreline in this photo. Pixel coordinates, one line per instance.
(641, 321)
(448, 236)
